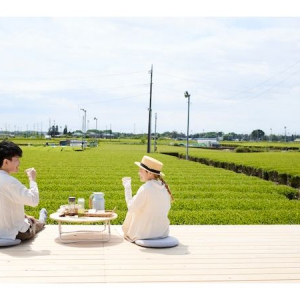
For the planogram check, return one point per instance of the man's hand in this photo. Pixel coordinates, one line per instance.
(31, 173)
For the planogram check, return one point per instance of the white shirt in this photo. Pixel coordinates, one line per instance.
(147, 215)
(13, 196)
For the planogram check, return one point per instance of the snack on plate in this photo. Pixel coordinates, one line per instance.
(64, 211)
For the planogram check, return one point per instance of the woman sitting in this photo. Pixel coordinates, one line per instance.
(147, 216)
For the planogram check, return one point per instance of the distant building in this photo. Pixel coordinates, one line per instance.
(78, 134)
(78, 143)
(108, 136)
(208, 142)
(73, 143)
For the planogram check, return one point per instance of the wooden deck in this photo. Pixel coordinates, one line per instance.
(266, 253)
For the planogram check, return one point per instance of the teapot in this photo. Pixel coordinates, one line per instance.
(97, 201)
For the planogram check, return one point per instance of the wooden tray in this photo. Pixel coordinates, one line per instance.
(88, 213)
(107, 213)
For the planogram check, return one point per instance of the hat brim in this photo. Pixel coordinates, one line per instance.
(139, 165)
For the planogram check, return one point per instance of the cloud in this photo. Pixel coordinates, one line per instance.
(237, 70)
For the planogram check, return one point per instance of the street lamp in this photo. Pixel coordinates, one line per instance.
(285, 134)
(187, 95)
(84, 124)
(96, 122)
(84, 120)
(150, 113)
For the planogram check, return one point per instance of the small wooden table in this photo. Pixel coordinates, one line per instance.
(76, 219)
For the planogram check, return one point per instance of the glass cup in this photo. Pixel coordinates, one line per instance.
(27, 171)
(80, 207)
(126, 181)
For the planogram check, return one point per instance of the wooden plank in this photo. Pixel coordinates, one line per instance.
(205, 254)
(154, 272)
(271, 267)
(159, 252)
(155, 279)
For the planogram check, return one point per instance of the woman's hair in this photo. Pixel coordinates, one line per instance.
(8, 150)
(158, 177)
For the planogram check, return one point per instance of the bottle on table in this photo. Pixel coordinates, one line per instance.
(71, 207)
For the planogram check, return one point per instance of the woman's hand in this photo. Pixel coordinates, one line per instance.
(126, 181)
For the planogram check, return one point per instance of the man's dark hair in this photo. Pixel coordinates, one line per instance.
(8, 150)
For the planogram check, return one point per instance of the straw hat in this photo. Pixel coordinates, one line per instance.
(151, 165)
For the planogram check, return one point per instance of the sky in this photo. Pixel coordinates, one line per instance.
(239, 61)
(242, 72)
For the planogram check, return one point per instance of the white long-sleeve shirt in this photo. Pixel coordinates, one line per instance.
(13, 196)
(147, 215)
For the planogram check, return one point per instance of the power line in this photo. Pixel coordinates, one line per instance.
(72, 90)
(75, 77)
(262, 83)
(247, 90)
(273, 86)
(118, 99)
(180, 77)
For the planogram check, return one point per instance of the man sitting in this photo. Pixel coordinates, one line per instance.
(14, 224)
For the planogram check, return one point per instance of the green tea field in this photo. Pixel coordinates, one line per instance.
(203, 194)
(282, 167)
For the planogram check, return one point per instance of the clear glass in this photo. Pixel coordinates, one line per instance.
(80, 207)
(126, 181)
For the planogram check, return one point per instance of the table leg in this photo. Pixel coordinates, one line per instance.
(59, 230)
(109, 228)
(106, 224)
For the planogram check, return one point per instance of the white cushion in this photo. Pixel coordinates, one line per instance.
(8, 242)
(166, 242)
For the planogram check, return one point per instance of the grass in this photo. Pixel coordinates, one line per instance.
(282, 162)
(203, 194)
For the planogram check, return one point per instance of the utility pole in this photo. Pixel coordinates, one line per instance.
(155, 132)
(150, 113)
(187, 95)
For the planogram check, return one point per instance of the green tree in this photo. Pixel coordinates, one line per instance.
(257, 134)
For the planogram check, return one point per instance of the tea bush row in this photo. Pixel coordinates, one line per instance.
(280, 167)
(203, 194)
